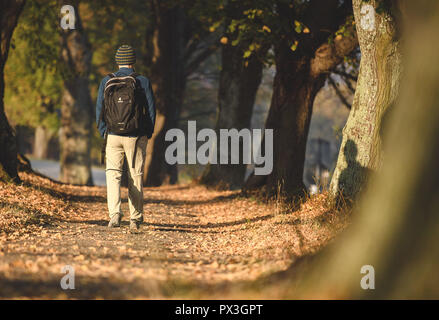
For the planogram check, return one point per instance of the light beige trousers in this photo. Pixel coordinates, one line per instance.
(117, 147)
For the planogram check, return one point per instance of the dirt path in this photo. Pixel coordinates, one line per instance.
(192, 237)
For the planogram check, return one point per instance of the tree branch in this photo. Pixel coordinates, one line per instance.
(344, 74)
(339, 93)
(197, 60)
(329, 55)
(191, 46)
(203, 76)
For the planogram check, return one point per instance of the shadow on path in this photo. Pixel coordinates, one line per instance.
(181, 227)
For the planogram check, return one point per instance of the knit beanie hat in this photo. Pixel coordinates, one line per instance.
(125, 55)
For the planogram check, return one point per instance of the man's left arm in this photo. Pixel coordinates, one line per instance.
(146, 85)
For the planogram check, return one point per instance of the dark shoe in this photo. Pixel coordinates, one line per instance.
(134, 226)
(115, 221)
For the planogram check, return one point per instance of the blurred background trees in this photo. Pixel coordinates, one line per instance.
(226, 64)
(181, 42)
(243, 55)
(304, 55)
(76, 106)
(34, 85)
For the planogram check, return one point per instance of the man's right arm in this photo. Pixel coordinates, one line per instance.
(99, 103)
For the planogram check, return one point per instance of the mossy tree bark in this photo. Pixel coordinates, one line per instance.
(76, 111)
(377, 89)
(9, 14)
(396, 228)
(238, 85)
(299, 76)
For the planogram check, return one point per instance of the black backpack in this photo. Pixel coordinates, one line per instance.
(123, 107)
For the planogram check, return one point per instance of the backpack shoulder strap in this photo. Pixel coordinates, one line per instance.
(135, 75)
(101, 115)
(111, 76)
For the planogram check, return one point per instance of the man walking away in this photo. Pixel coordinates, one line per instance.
(125, 114)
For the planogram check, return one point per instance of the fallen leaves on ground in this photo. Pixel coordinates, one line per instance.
(192, 237)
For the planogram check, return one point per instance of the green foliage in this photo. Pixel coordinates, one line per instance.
(108, 25)
(33, 82)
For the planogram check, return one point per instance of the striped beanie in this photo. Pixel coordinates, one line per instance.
(125, 55)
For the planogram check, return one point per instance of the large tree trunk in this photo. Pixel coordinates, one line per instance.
(236, 96)
(299, 76)
(377, 88)
(168, 81)
(9, 13)
(76, 111)
(396, 229)
(289, 116)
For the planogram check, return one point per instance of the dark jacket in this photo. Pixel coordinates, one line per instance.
(150, 108)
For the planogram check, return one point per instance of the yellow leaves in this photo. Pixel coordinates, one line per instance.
(300, 27)
(214, 26)
(253, 13)
(338, 37)
(224, 40)
(265, 28)
(251, 48)
(294, 45)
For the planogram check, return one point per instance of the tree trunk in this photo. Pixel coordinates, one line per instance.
(76, 111)
(9, 13)
(289, 116)
(168, 82)
(397, 226)
(236, 96)
(41, 142)
(377, 88)
(299, 76)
